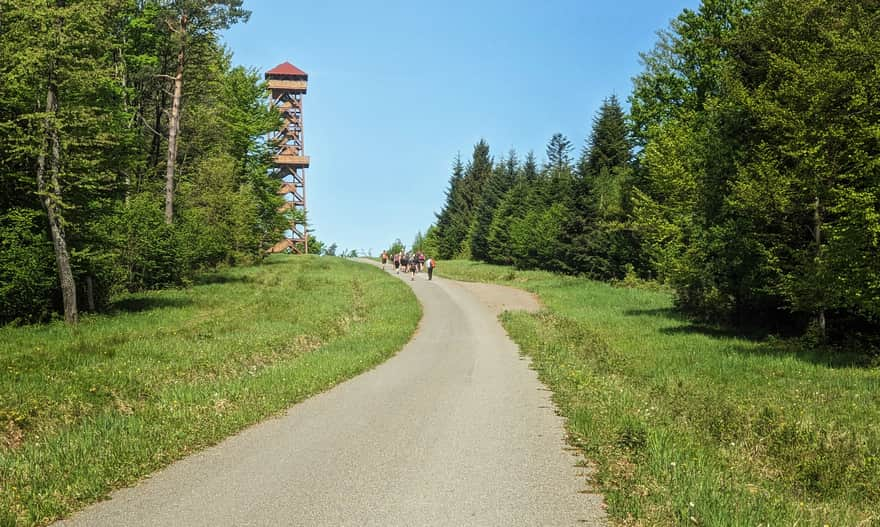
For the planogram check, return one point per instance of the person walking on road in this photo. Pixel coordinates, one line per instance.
(413, 265)
(397, 263)
(384, 259)
(421, 257)
(430, 264)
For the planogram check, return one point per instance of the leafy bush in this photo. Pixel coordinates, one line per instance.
(28, 282)
(149, 250)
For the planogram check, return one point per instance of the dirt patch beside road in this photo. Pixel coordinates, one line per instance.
(501, 298)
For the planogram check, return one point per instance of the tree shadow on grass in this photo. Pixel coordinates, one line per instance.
(277, 260)
(771, 341)
(657, 312)
(688, 325)
(217, 278)
(720, 332)
(802, 350)
(140, 304)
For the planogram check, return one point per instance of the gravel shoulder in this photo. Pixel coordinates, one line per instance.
(499, 298)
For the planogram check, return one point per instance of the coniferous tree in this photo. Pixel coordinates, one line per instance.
(418, 243)
(609, 144)
(511, 211)
(502, 179)
(537, 239)
(505, 215)
(530, 168)
(559, 152)
(451, 221)
(558, 176)
(476, 175)
(601, 242)
(431, 245)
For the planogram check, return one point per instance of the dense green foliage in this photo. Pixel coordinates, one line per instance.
(689, 424)
(108, 63)
(564, 216)
(747, 175)
(99, 406)
(761, 178)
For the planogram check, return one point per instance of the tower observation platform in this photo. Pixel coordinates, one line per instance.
(287, 84)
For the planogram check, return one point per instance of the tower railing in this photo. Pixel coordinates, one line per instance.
(287, 85)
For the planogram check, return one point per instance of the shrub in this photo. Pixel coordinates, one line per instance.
(28, 282)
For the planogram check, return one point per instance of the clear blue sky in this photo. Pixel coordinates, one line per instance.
(396, 89)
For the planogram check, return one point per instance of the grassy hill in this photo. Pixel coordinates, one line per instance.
(90, 408)
(694, 425)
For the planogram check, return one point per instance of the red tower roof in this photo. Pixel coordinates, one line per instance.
(286, 68)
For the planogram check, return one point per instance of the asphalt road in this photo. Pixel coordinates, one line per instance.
(454, 430)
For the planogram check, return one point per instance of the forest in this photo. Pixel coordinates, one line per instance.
(745, 176)
(131, 152)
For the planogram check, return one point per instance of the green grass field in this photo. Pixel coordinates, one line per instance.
(87, 409)
(693, 425)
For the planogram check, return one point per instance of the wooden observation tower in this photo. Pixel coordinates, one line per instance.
(287, 85)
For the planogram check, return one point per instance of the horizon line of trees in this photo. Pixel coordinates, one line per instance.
(746, 175)
(131, 151)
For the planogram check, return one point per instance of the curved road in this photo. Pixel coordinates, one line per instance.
(453, 430)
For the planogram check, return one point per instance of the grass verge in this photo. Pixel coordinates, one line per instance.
(693, 425)
(87, 409)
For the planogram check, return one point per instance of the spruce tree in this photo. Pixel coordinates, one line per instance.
(559, 152)
(501, 180)
(509, 209)
(451, 224)
(609, 145)
(600, 243)
(476, 175)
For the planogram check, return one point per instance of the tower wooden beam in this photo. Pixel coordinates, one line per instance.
(287, 85)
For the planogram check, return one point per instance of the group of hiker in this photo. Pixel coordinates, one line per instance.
(410, 262)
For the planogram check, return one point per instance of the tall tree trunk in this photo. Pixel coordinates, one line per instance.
(817, 237)
(160, 101)
(51, 193)
(174, 125)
